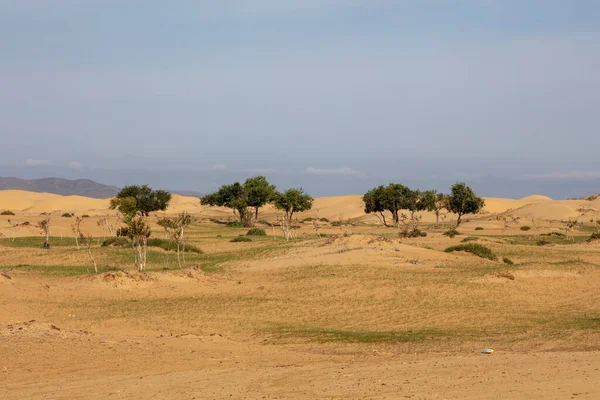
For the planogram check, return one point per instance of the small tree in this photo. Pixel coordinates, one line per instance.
(259, 192)
(175, 227)
(463, 200)
(292, 201)
(139, 232)
(44, 225)
(76, 228)
(376, 201)
(140, 199)
(435, 202)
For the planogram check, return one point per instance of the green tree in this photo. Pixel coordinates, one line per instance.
(260, 192)
(292, 201)
(142, 200)
(175, 227)
(392, 198)
(463, 200)
(234, 196)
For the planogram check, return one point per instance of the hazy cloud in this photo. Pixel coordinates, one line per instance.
(37, 163)
(572, 175)
(219, 167)
(75, 165)
(336, 171)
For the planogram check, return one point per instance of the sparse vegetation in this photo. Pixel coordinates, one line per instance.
(525, 228)
(594, 236)
(542, 242)
(507, 261)
(7, 212)
(451, 233)
(239, 239)
(323, 220)
(256, 232)
(469, 239)
(67, 215)
(474, 248)
(479, 228)
(235, 224)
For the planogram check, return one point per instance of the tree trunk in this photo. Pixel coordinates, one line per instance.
(437, 218)
(382, 218)
(256, 216)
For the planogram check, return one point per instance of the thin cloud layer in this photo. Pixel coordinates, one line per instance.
(336, 171)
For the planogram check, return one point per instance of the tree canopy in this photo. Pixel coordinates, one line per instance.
(260, 192)
(463, 200)
(255, 192)
(292, 201)
(394, 198)
(142, 200)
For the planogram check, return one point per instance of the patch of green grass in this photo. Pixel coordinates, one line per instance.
(58, 270)
(474, 248)
(37, 241)
(239, 239)
(469, 239)
(164, 244)
(343, 336)
(235, 224)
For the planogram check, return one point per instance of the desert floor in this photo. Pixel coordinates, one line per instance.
(355, 313)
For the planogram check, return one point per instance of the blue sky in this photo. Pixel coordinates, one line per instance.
(335, 96)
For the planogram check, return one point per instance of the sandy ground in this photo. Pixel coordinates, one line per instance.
(360, 315)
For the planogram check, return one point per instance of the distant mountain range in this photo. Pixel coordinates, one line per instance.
(66, 187)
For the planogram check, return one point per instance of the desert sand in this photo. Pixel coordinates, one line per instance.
(355, 313)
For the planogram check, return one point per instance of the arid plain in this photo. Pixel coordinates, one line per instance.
(345, 310)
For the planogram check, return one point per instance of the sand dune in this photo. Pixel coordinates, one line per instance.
(332, 208)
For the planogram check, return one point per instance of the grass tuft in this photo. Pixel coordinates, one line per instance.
(239, 239)
(474, 248)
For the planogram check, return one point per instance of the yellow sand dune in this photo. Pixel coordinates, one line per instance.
(332, 208)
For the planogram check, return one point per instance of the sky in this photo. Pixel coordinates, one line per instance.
(335, 96)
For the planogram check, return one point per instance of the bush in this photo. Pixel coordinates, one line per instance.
(451, 233)
(474, 248)
(336, 223)
(241, 239)
(309, 219)
(595, 236)
(542, 242)
(122, 232)
(479, 228)
(507, 261)
(412, 234)
(323, 220)
(116, 241)
(525, 228)
(235, 224)
(168, 245)
(7, 212)
(85, 216)
(469, 239)
(67, 215)
(256, 232)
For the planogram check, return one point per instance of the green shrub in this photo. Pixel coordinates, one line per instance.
(168, 245)
(122, 232)
(309, 219)
(542, 242)
(116, 241)
(336, 223)
(451, 233)
(507, 261)
(241, 239)
(7, 212)
(235, 224)
(525, 228)
(323, 220)
(85, 216)
(473, 248)
(67, 215)
(256, 232)
(469, 239)
(479, 228)
(595, 236)
(412, 234)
